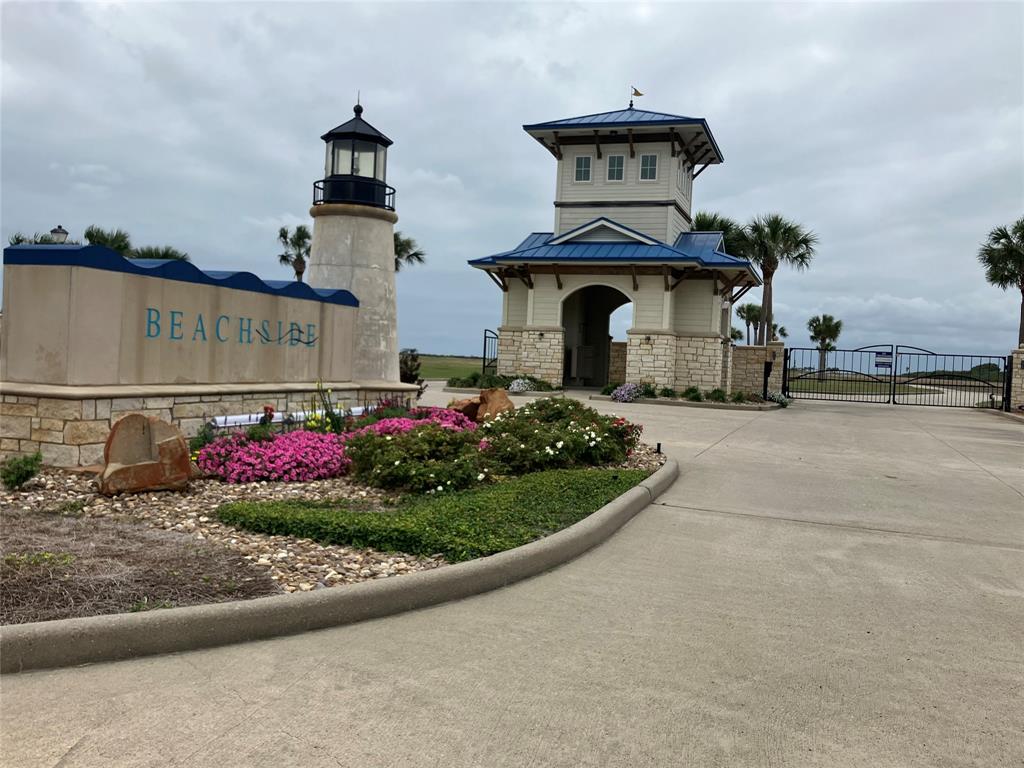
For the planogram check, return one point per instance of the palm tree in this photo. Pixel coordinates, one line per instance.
(751, 315)
(824, 330)
(1002, 256)
(772, 241)
(407, 252)
(161, 252)
(297, 246)
(736, 334)
(115, 239)
(779, 332)
(45, 238)
(732, 232)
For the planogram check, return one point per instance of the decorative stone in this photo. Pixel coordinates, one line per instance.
(467, 407)
(144, 454)
(493, 402)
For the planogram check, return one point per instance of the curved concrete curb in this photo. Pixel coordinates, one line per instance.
(691, 404)
(68, 642)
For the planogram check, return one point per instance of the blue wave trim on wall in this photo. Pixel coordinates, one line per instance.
(101, 257)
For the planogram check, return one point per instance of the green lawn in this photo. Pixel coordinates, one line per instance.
(446, 366)
(461, 526)
(853, 387)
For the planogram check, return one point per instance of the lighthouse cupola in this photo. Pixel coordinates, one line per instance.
(355, 170)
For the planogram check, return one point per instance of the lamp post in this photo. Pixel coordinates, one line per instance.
(58, 235)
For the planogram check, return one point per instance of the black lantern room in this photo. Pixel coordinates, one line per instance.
(356, 166)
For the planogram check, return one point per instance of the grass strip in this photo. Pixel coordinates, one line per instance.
(461, 526)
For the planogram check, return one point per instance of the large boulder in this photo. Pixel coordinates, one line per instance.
(144, 454)
(467, 407)
(493, 402)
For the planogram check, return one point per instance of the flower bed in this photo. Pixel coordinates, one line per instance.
(428, 450)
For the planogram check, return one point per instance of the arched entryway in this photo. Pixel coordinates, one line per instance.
(585, 321)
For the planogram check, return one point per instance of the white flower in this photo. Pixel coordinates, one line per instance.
(559, 444)
(387, 438)
(481, 476)
(397, 462)
(440, 487)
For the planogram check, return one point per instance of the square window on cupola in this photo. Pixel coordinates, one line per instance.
(616, 167)
(648, 167)
(582, 168)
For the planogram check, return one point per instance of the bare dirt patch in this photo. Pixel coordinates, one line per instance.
(59, 566)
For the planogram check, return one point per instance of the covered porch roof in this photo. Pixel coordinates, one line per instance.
(694, 255)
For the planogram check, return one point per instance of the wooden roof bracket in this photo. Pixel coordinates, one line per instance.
(558, 146)
(558, 277)
(597, 145)
(702, 169)
(498, 281)
(682, 276)
(632, 152)
(739, 294)
(675, 137)
(730, 284)
(523, 273)
(555, 151)
(632, 271)
(683, 148)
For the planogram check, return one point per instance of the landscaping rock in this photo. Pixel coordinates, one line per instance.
(144, 454)
(493, 402)
(468, 407)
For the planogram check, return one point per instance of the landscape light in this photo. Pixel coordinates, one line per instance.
(58, 234)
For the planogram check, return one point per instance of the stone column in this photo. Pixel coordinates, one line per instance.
(542, 354)
(698, 362)
(1017, 383)
(651, 358)
(354, 249)
(777, 356)
(510, 350)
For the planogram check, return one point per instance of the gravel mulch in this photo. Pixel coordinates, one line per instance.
(275, 563)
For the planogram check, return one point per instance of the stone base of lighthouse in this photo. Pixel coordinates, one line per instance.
(354, 248)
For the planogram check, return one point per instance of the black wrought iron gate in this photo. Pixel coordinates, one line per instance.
(901, 375)
(490, 355)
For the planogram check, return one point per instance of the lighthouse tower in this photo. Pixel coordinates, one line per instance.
(353, 241)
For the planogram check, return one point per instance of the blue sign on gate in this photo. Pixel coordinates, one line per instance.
(883, 359)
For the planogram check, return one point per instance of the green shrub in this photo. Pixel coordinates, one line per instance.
(203, 437)
(477, 380)
(738, 397)
(428, 458)
(647, 389)
(692, 394)
(553, 433)
(667, 392)
(409, 369)
(609, 388)
(260, 433)
(461, 526)
(716, 396)
(18, 470)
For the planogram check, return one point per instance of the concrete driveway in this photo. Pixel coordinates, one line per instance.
(830, 585)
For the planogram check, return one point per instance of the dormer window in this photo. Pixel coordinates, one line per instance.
(583, 163)
(648, 167)
(616, 167)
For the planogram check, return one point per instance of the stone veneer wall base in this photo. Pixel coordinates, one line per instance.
(70, 431)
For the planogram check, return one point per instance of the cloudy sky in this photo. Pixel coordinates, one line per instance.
(895, 131)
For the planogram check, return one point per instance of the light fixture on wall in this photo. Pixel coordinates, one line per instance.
(540, 335)
(647, 339)
(58, 234)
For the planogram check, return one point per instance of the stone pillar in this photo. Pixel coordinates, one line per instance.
(354, 248)
(726, 383)
(510, 350)
(777, 356)
(698, 363)
(651, 358)
(542, 354)
(1017, 382)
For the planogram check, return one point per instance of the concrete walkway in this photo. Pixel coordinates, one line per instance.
(830, 585)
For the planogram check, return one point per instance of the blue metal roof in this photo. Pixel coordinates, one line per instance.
(699, 249)
(629, 116)
(101, 257)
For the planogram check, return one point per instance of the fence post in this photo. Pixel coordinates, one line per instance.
(767, 373)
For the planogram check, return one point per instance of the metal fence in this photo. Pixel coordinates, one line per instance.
(901, 375)
(490, 355)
